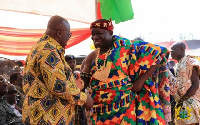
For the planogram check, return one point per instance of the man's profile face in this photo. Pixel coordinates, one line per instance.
(72, 64)
(65, 31)
(100, 37)
(11, 95)
(19, 80)
(176, 51)
(3, 86)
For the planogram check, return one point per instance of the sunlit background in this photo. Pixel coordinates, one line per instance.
(154, 21)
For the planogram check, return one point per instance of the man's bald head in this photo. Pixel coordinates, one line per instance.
(55, 22)
(178, 50)
(180, 44)
(59, 29)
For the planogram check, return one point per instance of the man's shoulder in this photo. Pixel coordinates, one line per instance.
(121, 41)
(90, 56)
(3, 107)
(192, 60)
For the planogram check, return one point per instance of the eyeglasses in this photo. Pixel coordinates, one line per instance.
(69, 34)
(12, 91)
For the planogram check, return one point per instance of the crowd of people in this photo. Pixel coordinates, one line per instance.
(122, 82)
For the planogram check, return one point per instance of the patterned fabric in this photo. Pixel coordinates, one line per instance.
(49, 85)
(160, 80)
(115, 103)
(189, 114)
(106, 25)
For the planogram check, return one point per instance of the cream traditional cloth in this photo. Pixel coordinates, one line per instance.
(191, 106)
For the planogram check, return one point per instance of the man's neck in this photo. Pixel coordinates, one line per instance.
(104, 50)
(11, 103)
(180, 58)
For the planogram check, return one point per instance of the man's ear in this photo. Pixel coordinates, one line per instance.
(58, 33)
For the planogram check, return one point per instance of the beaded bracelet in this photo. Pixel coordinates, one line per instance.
(86, 74)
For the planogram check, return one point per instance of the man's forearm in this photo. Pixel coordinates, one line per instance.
(147, 74)
(191, 91)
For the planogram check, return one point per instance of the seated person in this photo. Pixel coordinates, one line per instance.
(17, 79)
(8, 114)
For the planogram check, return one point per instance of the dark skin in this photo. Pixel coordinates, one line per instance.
(11, 97)
(178, 52)
(72, 64)
(59, 29)
(3, 86)
(103, 39)
(19, 80)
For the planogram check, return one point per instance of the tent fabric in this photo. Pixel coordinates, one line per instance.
(15, 43)
(118, 10)
(18, 42)
(69, 9)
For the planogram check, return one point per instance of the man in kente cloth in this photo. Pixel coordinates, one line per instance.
(119, 74)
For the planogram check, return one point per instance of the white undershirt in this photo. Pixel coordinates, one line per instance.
(15, 111)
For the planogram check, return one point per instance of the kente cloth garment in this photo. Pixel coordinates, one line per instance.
(49, 85)
(160, 81)
(189, 113)
(8, 115)
(114, 101)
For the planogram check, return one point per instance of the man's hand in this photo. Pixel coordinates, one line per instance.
(89, 103)
(136, 87)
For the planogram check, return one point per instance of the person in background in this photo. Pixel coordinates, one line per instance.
(49, 85)
(71, 61)
(171, 65)
(17, 80)
(11, 97)
(187, 94)
(8, 113)
(80, 118)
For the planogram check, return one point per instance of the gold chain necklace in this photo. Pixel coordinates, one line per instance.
(97, 51)
(104, 71)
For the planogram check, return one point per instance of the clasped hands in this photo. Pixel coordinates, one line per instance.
(89, 103)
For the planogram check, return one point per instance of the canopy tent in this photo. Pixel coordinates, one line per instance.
(16, 41)
(77, 10)
(84, 12)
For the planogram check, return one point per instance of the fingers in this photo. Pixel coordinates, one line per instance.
(88, 108)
